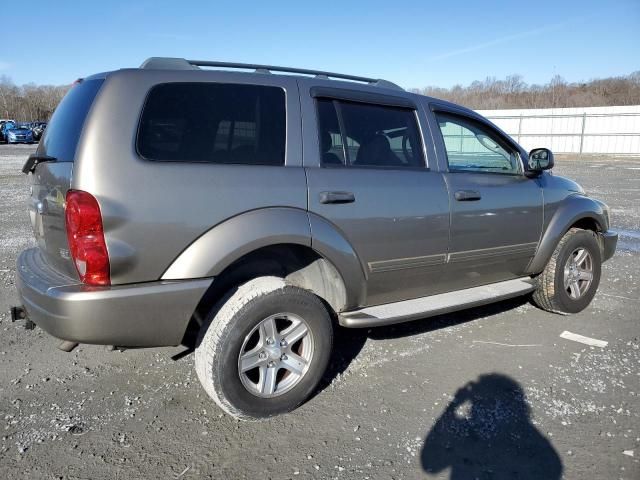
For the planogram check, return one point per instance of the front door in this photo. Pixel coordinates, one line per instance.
(496, 212)
(372, 183)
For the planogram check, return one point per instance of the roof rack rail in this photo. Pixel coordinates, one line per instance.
(166, 63)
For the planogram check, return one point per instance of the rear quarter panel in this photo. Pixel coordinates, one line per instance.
(152, 211)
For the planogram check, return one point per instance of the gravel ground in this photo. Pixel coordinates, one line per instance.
(487, 393)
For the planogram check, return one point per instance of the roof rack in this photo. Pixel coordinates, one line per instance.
(166, 63)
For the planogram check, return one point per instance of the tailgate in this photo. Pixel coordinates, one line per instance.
(52, 179)
(46, 209)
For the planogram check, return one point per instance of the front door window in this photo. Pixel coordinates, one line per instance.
(472, 147)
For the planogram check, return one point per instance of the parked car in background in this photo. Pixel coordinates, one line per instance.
(17, 133)
(282, 204)
(38, 129)
(5, 120)
(5, 125)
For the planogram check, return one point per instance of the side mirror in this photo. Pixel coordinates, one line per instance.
(540, 159)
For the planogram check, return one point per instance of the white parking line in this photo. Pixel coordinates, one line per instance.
(582, 339)
(507, 344)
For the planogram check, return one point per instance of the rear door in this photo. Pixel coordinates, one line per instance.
(368, 175)
(496, 212)
(51, 180)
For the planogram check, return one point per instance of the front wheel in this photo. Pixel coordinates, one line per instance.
(264, 351)
(571, 278)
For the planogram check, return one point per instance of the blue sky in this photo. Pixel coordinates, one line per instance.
(413, 43)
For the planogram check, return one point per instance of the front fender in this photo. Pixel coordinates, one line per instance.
(225, 243)
(572, 209)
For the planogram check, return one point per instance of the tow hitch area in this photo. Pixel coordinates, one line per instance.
(19, 313)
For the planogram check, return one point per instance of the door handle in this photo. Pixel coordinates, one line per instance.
(467, 195)
(337, 197)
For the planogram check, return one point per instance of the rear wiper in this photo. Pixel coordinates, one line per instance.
(33, 161)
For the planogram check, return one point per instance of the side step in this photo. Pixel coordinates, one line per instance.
(424, 307)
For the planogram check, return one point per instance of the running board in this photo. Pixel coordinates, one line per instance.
(424, 307)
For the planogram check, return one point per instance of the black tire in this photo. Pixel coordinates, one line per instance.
(222, 338)
(551, 294)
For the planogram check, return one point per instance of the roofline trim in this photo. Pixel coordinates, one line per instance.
(168, 63)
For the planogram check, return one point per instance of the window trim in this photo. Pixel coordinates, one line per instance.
(206, 162)
(337, 106)
(360, 96)
(483, 125)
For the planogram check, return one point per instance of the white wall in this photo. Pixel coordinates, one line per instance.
(610, 130)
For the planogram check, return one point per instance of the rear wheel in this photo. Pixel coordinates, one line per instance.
(265, 349)
(571, 278)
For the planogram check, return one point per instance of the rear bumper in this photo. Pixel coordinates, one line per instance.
(139, 315)
(609, 242)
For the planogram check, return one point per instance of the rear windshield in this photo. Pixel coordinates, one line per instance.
(65, 127)
(215, 123)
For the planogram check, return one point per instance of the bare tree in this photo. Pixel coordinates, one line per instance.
(37, 102)
(513, 92)
(28, 102)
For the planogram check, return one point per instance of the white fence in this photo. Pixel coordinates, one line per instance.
(604, 130)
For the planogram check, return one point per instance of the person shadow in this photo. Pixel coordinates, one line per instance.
(486, 433)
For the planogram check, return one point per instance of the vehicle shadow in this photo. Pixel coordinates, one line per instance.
(486, 432)
(348, 342)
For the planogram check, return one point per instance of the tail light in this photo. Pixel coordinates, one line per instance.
(86, 238)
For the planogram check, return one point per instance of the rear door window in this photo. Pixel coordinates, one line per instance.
(367, 135)
(215, 123)
(64, 129)
(331, 146)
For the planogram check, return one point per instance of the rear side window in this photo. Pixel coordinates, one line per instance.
(64, 129)
(367, 135)
(214, 123)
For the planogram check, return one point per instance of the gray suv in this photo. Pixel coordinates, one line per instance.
(246, 213)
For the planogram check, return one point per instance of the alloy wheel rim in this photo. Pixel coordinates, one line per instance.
(275, 355)
(578, 273)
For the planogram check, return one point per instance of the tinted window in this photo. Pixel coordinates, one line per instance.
(475, 147)
(213, 122)
(331, 148)
(371, 135)
(62, 134)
